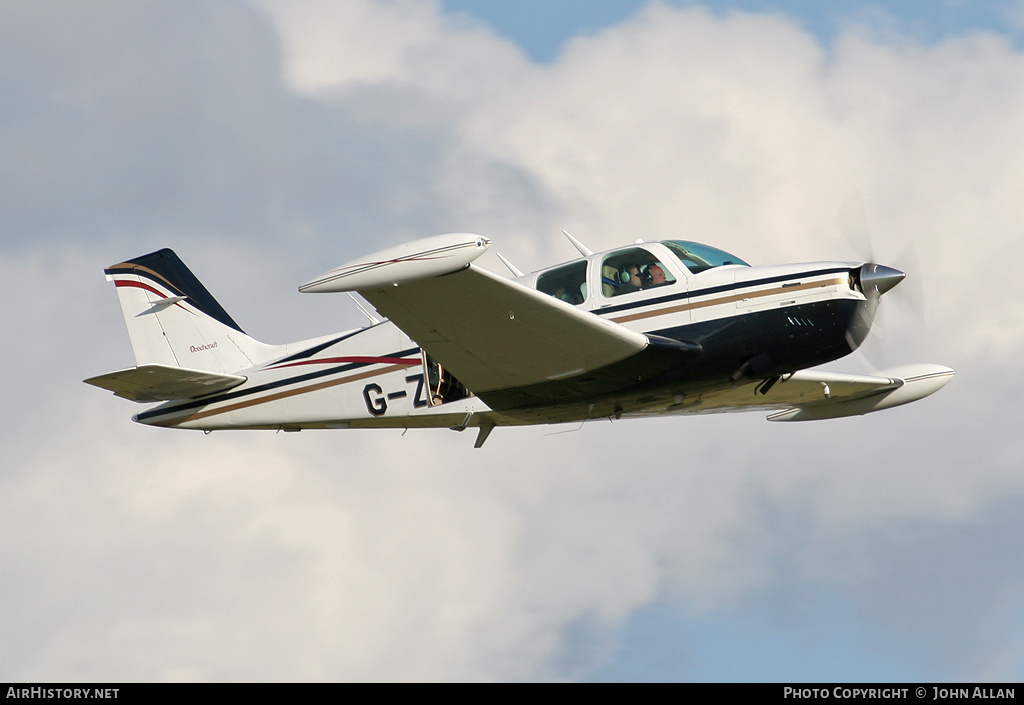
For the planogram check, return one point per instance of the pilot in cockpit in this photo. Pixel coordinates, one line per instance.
(655, 276)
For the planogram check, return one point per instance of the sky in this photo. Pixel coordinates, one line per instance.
(267, 141)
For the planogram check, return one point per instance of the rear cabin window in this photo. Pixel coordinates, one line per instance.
(568, 283)
(635, 269)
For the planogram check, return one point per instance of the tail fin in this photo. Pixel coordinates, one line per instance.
(174, 321)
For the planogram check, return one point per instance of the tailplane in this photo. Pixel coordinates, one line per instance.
(173, 321)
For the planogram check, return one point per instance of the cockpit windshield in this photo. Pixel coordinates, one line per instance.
(697, 257)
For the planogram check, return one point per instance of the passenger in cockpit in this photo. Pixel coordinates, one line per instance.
(633, 282)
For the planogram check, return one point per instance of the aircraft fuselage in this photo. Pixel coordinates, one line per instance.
(714, 330)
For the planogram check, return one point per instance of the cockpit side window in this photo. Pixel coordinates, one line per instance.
(568, 283)
(635, 269)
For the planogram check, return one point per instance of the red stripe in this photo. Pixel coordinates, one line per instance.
(147, 287)
(139, 285)
(361, 360)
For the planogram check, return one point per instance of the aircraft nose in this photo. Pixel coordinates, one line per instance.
(878, 279)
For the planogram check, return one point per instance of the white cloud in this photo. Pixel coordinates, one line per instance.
(331, 47)
(330, 44)
(742, 130)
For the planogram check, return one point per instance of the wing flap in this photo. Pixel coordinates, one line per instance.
(150, 383)
(493, 333)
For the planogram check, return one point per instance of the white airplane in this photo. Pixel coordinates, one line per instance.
(654, 328)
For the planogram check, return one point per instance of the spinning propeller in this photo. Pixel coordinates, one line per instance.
(874, 279)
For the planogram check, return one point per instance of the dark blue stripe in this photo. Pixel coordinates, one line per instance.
(231, 395)
(316, 348)
(716, 290)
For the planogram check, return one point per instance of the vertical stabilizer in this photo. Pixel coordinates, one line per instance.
(173, 320)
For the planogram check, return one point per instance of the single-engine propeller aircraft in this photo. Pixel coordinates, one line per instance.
(654, 328)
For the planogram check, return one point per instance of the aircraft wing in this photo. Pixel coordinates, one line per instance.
(149, 383)
(809, 395)
(493, 333)
(814, 394)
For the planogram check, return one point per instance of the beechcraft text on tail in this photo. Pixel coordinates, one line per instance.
(650, 329)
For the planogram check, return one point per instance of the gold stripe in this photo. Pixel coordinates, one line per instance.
(279, 395)
(727, 300)
(147, 270)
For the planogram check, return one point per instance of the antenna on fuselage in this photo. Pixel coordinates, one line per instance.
(584, 250)
(370, 316)
(511, 267)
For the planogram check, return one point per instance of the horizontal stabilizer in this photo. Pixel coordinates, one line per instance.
(149, 383)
